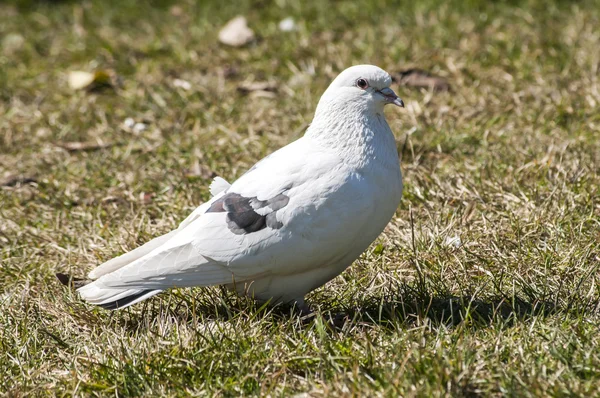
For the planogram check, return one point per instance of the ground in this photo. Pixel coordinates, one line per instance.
(486, 282)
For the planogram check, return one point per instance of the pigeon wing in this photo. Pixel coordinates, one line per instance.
(266, 222)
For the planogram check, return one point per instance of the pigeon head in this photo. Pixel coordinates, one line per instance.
(365, 86)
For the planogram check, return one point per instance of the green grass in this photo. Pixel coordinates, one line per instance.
(508, 161)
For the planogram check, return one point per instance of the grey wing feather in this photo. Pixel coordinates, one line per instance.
(247, 215)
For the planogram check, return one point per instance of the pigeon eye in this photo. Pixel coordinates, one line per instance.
(362, 83)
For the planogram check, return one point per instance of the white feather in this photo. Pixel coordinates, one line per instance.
(218, 185)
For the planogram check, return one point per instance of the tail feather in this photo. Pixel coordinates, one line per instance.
(129, 257)
(129, 300)
(114, 298)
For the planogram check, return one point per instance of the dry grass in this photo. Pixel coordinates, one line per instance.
(492, 289)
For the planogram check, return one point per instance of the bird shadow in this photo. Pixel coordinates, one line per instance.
(447, 310)
(403, 307)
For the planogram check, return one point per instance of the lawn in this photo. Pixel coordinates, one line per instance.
(485, 283)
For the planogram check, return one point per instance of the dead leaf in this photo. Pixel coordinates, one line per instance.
(184, 84)
(79, 80)
(236, 32)
(84, 146)
(12, 180)
(419, 78)
(110, 199)
(248, 87)
(176, 11)
(147, 197)
(200, 170)
(468, 213)
(263, 94)
(228, 71)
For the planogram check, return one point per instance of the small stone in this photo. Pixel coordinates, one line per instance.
(287, 25)
(129, 122)
(139, 127)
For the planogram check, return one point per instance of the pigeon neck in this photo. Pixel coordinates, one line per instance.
(361, 134)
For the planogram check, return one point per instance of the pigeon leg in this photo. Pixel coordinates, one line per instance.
(303, 307)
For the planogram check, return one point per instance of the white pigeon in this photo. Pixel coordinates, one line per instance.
(294, 221)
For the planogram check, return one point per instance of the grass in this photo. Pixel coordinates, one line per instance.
(486, 282)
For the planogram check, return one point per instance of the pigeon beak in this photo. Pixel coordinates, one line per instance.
(391, 97)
